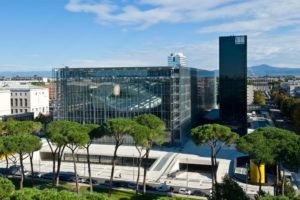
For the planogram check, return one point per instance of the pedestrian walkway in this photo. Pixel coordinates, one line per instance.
(163, 161)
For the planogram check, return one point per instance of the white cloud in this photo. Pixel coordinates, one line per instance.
(254, 15)
(259, 19)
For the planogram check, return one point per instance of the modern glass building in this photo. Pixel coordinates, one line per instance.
(203, 93)
(233, 81)
(93, 95)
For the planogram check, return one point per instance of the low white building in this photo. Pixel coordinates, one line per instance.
(28, 98)
(5, 108)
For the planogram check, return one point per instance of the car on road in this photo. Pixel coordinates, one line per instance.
(35, 175)
(131, 185)
(16, 170)
(200, 193)
(163, 188)
(49, 175)
(184, 191)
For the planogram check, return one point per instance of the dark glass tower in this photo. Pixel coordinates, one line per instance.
(233, 81)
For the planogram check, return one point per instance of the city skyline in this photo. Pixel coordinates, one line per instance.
(84, 33)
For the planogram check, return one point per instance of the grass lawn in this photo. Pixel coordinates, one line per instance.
(117, 194)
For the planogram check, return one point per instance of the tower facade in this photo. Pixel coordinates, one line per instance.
(233, 81)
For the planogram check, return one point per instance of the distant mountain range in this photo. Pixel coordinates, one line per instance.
(267, 70)
(260, 70)
(47, 74)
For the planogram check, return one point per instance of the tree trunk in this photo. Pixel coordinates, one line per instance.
(138, 173)
(89, 167)
(113, 168)
(6, 159)
(145, 170)
(53, 169)
(59, 158)
(212, 168)
(53, 152)
(276, 180)
(31, 166)
(259, 172)
(22, 170)
(283, 182)
(75, 171)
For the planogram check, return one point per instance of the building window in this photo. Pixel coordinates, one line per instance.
(43, 110)
(16, 102)
(21, 102)
(25, 94)
(21, 110)
(12, 111)
(26, 110)
(20, 94)
(25, 101)
(11, 102)
(16, 110)
(16, 94)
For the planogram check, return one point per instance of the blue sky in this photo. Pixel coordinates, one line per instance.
(42, 34)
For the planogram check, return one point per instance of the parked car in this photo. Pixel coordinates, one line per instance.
(67, 176)
(200, 193)
(4, 171)
(184, 191)
(148, 187)
(131, 185)
(16, 170)
(49, 175)
(35, 175)
(163, 188)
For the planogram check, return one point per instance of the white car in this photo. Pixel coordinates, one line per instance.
(184, 191)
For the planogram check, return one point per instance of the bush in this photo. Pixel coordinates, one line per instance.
(26, 194)
(229, 190)
(96, 196)
(7, 188)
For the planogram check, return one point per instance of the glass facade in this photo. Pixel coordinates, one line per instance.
(233, 81)
(203, 93)
(93, 95)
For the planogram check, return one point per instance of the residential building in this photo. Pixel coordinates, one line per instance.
(177, 59)
(262, 83)
(233, 81)
(5, 102)
(292, 87)
(26, 98)
(250, 94)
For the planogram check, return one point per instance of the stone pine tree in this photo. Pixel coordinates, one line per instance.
(156, 135)
(77, 138)
(35, 145)
(117, 128)
(285, 151)
(56, 136)
(216, 136)
(24, 144)
(139, 135)
(259, 149)
(94, 132)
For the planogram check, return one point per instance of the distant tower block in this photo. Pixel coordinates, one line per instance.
(176, 60)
